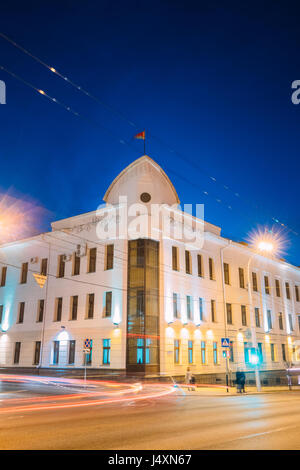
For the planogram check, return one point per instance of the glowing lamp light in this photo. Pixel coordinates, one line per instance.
(267, 338)
(267, 241)
(265, 246)
(254, 359)
(240, 337)
(169, 332)
(63, 336)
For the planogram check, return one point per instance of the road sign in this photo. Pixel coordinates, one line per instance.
(87, 343)
(87, 350)
(225, 342)
(40, 279)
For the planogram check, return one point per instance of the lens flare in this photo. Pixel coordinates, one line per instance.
(268, 241)
(19, 218)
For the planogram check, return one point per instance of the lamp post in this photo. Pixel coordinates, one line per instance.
(253, 326)
(224, 305)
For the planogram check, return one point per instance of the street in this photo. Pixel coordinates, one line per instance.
(172, 421)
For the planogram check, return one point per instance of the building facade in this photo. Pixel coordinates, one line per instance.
(98, 292)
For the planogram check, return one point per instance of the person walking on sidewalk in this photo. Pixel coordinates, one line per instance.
(189, 379)
(242, 381)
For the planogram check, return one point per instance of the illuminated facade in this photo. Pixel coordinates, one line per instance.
(147, 303)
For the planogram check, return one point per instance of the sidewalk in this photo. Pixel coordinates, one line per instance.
(220, 390)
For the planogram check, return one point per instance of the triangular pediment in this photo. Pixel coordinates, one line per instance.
(143, 176)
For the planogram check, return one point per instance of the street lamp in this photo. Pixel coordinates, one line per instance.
(265, 243)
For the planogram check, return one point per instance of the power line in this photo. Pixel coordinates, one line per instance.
(131, 123)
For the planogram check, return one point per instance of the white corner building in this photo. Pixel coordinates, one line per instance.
(97, 292)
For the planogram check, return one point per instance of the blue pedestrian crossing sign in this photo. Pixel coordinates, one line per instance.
(225, 342)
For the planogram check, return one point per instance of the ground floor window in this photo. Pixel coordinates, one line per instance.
(72, 344)
(176, 351)
(37, 352)
(190, 352)
(55, 352)
(215, 352)
(17, 352)
(203, 352)
(106, 351)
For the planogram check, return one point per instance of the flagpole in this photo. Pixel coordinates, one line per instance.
(144, 142)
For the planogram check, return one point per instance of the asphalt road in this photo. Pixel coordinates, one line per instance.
(177, 421)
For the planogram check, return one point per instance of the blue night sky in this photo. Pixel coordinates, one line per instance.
(210, 82)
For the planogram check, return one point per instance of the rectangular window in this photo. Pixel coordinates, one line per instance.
(17, 352)
(3, 276)
(188, 264)
(244, 315)
(254, 282)
(247, 351)
(37, 352)
(24, 272)
(44, 264)
(226, 273)
(267, 287)
(175, 306)
(176, 351)
(140, 253)
(90, 305)
(61, 266)
(215, 352)
(297, 293)
(298, 321)
(273, 353)
(201, 309)
(72, 344)
(242, 278)
(40, 315)
(280, 320)
(287, 290)
(229, 314)
(58, 309)
(1, 314)
(231, 354)
(283, 352)
(140, 304)
(108, 302)
(109, 257)
(190, 352)
(277, 287)
(189, 307)
(74, 307)
(213, 310)
(106, 351)
(55, 352)
(21, 312)
(291, 322)
(76, 265)
(269, 320)
(92, 260)
(211, 269)
(257, 317)
(203, 352)
(260, 352)
(200, 266)
(175, 265)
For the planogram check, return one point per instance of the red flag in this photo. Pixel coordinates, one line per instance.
(141, 135)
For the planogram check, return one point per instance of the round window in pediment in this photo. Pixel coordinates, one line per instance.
(145, 197)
